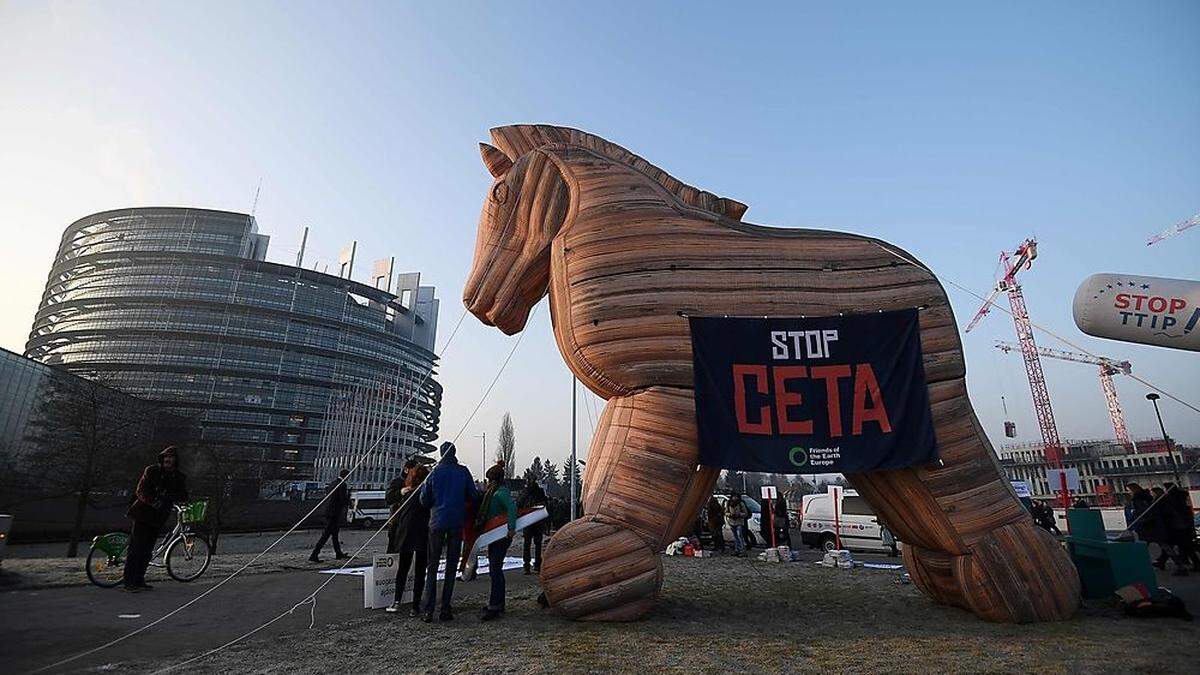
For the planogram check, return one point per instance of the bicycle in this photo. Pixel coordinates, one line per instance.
(184, 552)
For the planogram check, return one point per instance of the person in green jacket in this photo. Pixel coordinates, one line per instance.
(497, 500)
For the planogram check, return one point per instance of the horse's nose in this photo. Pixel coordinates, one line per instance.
(475, 305)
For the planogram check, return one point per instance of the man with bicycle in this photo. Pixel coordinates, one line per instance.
(160, 486)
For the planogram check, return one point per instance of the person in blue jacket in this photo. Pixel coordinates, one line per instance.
(446, 493)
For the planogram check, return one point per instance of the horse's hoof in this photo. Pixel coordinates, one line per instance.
(600, 571)
(1017, 573)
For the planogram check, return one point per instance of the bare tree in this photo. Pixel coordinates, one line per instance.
(90, 440)
(506, 447)
(226, 480)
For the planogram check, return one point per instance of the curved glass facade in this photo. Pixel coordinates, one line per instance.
(179, 305)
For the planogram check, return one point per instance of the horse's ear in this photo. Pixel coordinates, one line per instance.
(497, 162)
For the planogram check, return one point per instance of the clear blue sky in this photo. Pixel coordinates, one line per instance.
(953, 130)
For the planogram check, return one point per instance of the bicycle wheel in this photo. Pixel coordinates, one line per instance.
(187, 557)
(106, 560)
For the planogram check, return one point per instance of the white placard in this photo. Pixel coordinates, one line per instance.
(1055, 482)
(379, 581)
(1021, 487)
(769, 492)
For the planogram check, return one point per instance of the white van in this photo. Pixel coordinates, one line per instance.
(857, 525)
(368, 507)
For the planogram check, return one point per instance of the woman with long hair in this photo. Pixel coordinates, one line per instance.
(411, 534)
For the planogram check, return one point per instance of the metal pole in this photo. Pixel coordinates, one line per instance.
(573, 460)
(1174, 465)
(484, 437)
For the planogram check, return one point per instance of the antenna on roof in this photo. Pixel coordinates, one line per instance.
(254, 206)
(303, 242)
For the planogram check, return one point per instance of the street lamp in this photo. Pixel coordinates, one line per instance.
(1153, 398)
(484, 437)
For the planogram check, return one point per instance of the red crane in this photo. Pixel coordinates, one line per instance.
(1108, 368)
(1014, 262)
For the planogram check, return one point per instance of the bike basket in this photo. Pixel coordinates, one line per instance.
(195, 512)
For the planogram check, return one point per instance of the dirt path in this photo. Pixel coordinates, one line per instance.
(729, 614)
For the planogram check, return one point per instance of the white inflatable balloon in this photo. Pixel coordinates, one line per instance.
(1148, 310)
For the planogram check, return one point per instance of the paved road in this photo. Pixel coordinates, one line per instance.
(40, 627)
(300, 540)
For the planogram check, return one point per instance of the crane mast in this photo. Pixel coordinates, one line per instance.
(1022, 259)
(1108, 367)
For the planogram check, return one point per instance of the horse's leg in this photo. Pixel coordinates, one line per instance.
(967, 540)
(641, 489)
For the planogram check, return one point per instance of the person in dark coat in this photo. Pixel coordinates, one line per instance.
(447, 493)
(764, 521)
(1144, 515)
(411, 529)
(782, 521)
(716, 523)
(160, 486)
(531, 497)
(335, 513)
(1043, 517)
(393, 498)
(1180, 526)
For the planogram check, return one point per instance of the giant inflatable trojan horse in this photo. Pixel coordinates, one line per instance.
(626, 253)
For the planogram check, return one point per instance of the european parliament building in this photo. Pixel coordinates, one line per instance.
(180, 305)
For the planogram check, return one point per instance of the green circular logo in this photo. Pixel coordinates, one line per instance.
(798, 456)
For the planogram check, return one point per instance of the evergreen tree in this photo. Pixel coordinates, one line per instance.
(536, 471)
(566, 480)
(553, 481)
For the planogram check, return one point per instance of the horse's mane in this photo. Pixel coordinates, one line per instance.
(517, 139)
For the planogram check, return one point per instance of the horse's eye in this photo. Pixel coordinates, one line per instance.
(500, 193)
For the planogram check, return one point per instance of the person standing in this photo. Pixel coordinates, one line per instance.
(411, 529)
(446, 493)
(783, 525)
(1178, 521)
(532, 496)
(393, 498)
(335, 513)
(736, 512)
(889, 540)
(716, 523)
(160, 486)
(1144, 514)
(497, 500)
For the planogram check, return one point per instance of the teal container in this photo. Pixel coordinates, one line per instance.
(1104, 566)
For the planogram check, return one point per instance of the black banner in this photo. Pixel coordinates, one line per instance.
(837, 394)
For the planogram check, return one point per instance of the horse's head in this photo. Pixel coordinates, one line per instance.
(525, 208)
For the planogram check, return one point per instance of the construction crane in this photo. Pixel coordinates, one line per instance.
(1108, 368)
(1175, 229)
(1014, 262)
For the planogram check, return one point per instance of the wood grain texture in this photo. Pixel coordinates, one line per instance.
(626, 253)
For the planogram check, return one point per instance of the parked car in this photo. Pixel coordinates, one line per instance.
(857, 525)
(367, 507)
